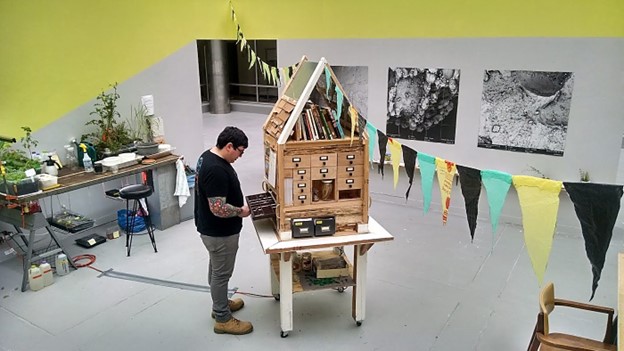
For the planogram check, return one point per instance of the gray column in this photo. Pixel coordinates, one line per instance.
(218, 78)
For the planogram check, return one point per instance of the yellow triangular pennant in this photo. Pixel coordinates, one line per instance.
(396, 155)
(539, 203)
(354, 121)
(253, 59)
(446, 173)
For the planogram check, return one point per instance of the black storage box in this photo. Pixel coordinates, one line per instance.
(261, 206)
(302, 227)
(71, 222)
(324, 226)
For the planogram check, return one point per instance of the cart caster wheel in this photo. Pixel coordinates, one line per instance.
(276, 297)
(284, 334)
(341, 289)
(358, 323)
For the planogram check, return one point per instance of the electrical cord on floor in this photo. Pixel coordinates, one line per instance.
(89, 257)
(252, 294)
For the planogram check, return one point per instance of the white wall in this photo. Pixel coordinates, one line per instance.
(596, 121)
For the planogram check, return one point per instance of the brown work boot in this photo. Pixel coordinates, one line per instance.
(234, 304)
(234, 327)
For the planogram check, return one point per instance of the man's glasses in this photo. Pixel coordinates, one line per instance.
(241, 151)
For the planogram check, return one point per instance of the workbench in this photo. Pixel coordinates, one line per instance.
(164, 208)
(281, 268)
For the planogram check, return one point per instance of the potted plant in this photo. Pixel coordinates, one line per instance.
(141, 126)
(15, 162)
(584, 175)
(111, 136)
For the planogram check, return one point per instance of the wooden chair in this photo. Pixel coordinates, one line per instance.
(543, 340)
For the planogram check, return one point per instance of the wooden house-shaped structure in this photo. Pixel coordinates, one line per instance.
(316, 153)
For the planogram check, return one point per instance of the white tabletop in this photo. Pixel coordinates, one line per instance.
(271, 244)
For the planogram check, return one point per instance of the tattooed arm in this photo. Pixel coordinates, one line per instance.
(220, 208)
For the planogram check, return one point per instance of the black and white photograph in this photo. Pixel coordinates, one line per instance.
(354, 81)
(525, 111)
(422, 104)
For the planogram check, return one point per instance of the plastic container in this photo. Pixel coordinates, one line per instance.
(46, 271)
(35, 278)
(62, 264)
(86, 159)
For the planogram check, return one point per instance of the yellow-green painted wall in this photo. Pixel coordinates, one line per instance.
(56, 55)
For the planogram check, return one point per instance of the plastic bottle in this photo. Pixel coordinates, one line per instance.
(35, 278)
(62, 264)
(46, 271)
(70, 158)
(86, 161)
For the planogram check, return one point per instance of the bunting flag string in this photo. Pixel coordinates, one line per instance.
(596, 205)
(273, 75)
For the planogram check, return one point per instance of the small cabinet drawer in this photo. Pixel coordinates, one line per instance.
(323, 160)
(349, 183)
(301, 187)
(301, 174)
(350, 171)
(301, 199)
(302, 161)
(351, 158)
(323, 173)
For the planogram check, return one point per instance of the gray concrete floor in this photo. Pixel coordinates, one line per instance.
(429, 289)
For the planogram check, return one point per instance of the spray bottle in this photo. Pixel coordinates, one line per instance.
(86, 161)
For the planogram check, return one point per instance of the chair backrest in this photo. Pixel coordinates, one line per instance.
(547, 303)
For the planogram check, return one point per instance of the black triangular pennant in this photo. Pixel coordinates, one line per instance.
(470, 180)
(383, 142)
(597, 207)
(409, 158)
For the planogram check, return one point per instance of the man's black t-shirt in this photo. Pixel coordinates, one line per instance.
(216, 178)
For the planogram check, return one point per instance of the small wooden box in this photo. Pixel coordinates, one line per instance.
(330, 266)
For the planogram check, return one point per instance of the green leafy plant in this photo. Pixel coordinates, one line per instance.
(140, 124)
(15, 160)
(538, 172)
(584, 175)
(111, 134)
(27, 141)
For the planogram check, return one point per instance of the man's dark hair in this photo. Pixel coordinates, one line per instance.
(232, 135)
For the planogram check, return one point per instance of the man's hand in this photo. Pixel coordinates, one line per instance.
(244, 211)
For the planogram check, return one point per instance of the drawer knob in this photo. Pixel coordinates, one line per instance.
(350, 174)
(301, 190)
(350, 186)
(350, 162)
(324, 163)
(301, 177)
(324, 175)
(296, 165)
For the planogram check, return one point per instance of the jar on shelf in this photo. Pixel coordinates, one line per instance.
(327, 190)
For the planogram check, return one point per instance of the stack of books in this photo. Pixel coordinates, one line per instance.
(317, 123)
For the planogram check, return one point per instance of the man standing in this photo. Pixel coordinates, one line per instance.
(219, 212)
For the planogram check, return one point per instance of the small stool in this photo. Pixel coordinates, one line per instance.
(137, 192)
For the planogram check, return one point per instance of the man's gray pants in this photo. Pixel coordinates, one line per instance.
(222, 252)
